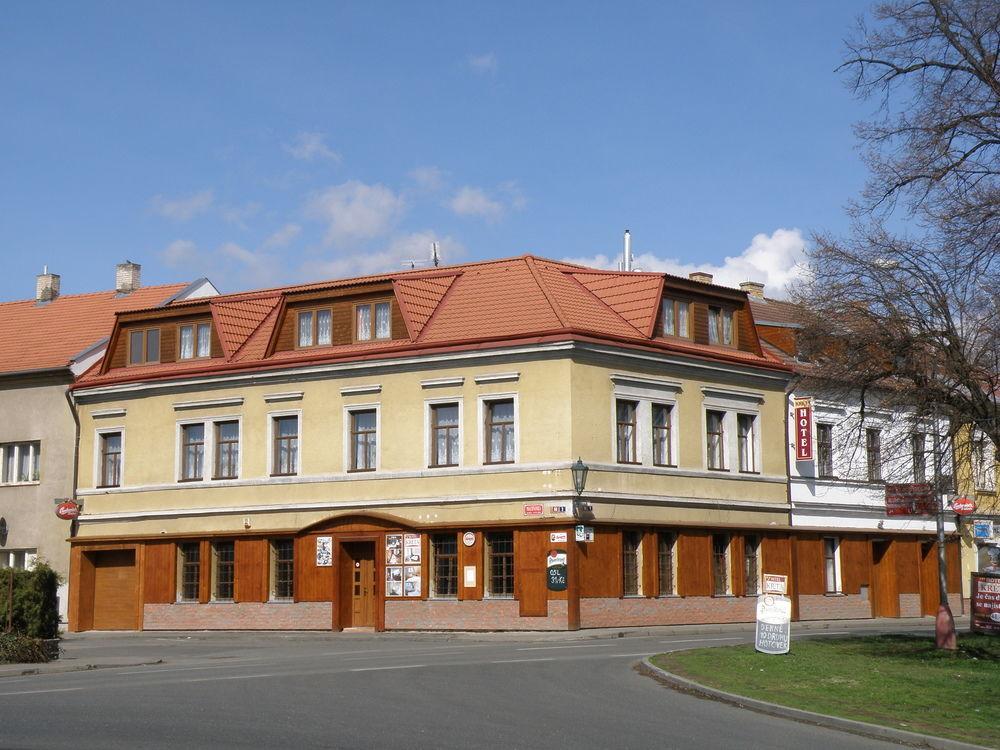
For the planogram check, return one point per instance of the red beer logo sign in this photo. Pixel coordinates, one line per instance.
(963, 506)
(803, 429)
(68, 510)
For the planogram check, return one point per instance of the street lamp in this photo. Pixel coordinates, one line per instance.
(580, 471)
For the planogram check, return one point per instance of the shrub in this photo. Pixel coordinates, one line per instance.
(21, 649)
(35, 607)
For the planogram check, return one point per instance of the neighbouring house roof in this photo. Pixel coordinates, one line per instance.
(775, 311)
(51, 335)
(475, 305)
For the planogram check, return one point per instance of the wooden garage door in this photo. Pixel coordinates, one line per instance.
(116, 594)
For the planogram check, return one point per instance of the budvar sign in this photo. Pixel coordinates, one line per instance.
(915, 499)
(803, 429)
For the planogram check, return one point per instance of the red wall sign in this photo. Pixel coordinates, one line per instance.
(963, 506)
(915, 499)
(533, 509)
(985, 601)
(803, 429)
(68, 510)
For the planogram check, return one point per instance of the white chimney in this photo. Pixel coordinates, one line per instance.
(701, 276)
(627, 253)
(46, 286)
(754, 288)
(127, 277)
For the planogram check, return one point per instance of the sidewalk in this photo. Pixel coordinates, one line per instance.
(103, 650)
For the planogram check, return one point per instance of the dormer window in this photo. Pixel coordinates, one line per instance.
(720, 326)
(366, 314)
(675, 318)
(315, 328)
(144, 346)
(196, 340)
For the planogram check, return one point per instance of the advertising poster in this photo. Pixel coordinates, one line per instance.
(555, 569)
(394, 581)
(411, 549)
(393, 549)
(411, 580)
(982, 529)
(985, 602)
(324, 551)
(774, 624)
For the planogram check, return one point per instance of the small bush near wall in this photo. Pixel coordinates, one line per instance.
(22, 649)
(35, 606)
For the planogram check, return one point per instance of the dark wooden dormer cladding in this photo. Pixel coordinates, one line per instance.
(342, 304)
(699, 299)
(169, 327)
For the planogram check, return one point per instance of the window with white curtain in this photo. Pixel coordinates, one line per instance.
(20, 462)
(364, 313)
(324, 327)
(187, 342)
(204, 340)
(382, 324)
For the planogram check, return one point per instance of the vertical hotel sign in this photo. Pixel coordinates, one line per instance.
(803, 409)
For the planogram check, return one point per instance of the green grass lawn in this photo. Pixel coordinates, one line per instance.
(899, 681)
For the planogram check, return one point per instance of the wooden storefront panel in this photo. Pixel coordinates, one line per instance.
(252, 570)
(930, 594)
(159, 572)
(600, 565)
(530, 550)
(907, 565)
(855, 564)
(694, 563)
(312, 582)
(116, 592)
(809, 565)
(471, 556)
(885, 593)
(953, 561)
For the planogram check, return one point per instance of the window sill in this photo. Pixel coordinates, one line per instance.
(501, 597)
(360, 471)
(190, 479)
(751, 473)
(442, 466)
(187, 601)
(107, 487)
(725, 596)
(669, 596)
(222, 601)
(496, 463)
(31, 483)
(434, 598)
(629, 463)
(290, 474)
(222, 479)
(834, 593)
(281, 600)
(717, 468)
(665, 466)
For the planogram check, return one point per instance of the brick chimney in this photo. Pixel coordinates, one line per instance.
(127, 277)
(46, 286)
(754, 288)
(701, 277)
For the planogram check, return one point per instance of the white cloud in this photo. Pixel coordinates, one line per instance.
(251, 267)
(775, 260)
(179, 253)
(283, 236)
(238, 215)
(485, 63)
(393, 257)
(428, 178)
(492, 206)
(355, 210)
(311, 146)
(184, 208)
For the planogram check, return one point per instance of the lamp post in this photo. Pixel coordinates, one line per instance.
(580, 471)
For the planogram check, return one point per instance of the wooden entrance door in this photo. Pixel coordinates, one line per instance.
(116, 593)
(929, 592)
(362, 581)
(885, 596)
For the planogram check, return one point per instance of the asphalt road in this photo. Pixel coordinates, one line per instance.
(380, 691)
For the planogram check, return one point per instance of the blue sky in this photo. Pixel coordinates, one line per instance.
(267, 143)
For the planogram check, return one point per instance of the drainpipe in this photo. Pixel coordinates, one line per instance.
(74, 524)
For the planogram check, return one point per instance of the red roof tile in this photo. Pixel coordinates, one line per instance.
(37, 336)
(481, 304)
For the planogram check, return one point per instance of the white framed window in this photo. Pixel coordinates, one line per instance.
(731, 430)
(362, 437)
(747, 443)
(209, 449)
(109, 457)
(20, 463)
(19, 559)
(443, 428)
(284, 442)
(499, 428)
(831, 565)
(643, 417)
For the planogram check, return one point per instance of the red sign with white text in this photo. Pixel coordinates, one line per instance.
(68, 510)
(803, 429)
(963, 506)
(985, 601)
(915, 499)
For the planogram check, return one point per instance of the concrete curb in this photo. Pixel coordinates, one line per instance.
(20, 670)
(875, 731)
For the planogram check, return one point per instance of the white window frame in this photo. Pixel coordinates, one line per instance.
(731, 403)
(839, 580)
(755, 433)
(271, 416)
(645, 391)
(428, 439)
(7, 558)
(346, 438)
(99, 432)
(15, 446)
(481, 401)
(208, 464)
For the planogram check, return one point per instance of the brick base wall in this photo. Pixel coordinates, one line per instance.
(821, 607)
(612, 613)
(909, 605)
(489, 614)
(239, 616)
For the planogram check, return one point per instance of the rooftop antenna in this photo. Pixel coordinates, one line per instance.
(434, 260)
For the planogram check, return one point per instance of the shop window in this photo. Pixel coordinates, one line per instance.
(500, 564)
(632, 563)
(444, 562)
(831, 564)
(667, 559)
(721, 579)
(282, 569)
(223, 576)
(751, 565)
(189, 562)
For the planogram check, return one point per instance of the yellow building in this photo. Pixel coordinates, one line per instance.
(976, 476)
(397, 452)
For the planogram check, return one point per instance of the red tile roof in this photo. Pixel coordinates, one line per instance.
(41, 336)
(775, 311)
(474, 305)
